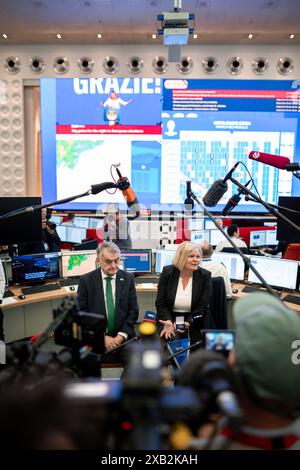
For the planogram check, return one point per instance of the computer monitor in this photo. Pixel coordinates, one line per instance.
(163, 258)
(75, 264)
(271, 237)
(199, 236)
(75, 234)
(36, 268)
(284, 231)
(62, 232)
(216, 236)
(209, 225)
(137, 261)
(195, 224)
(82, 222)
(3, 262)
(257, 238)
(20, 228)
(233, 262)
(95, 223)
(280, 273)
(88, 245)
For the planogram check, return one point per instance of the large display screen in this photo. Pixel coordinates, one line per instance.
(163, 133)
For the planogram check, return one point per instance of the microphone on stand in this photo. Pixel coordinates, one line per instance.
(218, 189)
(188, 202)
(129, 195)
(282, 163)
(234, 200)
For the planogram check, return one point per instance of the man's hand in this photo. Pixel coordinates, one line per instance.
(109, 343)
(169, 329)
(119, 339)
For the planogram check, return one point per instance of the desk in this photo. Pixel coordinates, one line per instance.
(240, 285)
(25, 318)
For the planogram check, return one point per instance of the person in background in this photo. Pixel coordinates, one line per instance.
(50, 239)
(234, 233)
(111, 292)
(183, 290)
(216, 269)
(116, 227)
(266, 359)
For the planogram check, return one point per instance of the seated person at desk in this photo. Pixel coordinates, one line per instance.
(216, 269)
(280, 248)
(111, 292)
(183, 290)
(50, 239)
(234, 233)
(116, 227)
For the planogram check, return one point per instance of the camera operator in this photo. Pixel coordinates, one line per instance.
(50, 238)
(266, 337)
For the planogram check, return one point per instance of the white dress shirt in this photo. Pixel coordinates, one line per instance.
(183, 299)
(113, 287)
(225, 244)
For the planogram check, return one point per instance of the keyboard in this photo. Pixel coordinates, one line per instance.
(146, 280)
(69, 282)
(39, 289)
(291, 298)
(249, 289)
(8, 293)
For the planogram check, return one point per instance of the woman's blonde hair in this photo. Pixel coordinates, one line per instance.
(183, 252)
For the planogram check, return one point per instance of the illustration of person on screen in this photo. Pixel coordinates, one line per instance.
(171, 128)
(112, 108)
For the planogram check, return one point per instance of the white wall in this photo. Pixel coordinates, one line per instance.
(15, 146)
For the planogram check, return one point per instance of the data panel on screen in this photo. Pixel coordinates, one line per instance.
(193, 130)
(75, 264)
(277, 272)
(137, 261)
(163, 258)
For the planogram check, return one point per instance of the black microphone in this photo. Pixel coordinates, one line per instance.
(188, 202)
(218, 189)
(129, 195)
(234, 200)
(97, 188)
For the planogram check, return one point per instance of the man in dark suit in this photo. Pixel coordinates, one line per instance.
(111, 292)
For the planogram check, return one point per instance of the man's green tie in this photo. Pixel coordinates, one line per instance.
(110, 307)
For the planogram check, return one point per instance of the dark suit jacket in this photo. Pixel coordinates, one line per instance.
(166, 294)
(91, 299)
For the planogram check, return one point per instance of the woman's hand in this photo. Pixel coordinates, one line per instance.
(168, 330)
(187, 325)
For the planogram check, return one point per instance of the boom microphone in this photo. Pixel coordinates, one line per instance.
(283, 163)
(129, 195)
(218, 189)
(234, 200)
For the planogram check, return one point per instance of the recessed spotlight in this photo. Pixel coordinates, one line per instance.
(292, 36)
(195, 36)
(250, 36)
(99, 36)
(59, 36)
(4, 36)
(153, 36)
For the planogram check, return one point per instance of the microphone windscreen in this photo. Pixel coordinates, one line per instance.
(215, 193)
(273, 160)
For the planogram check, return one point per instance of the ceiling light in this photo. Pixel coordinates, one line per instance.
(250, 36)
(58, 36)
(291, 36)
(195, 36)
(4, 36)
(153, 36)
(99, 36)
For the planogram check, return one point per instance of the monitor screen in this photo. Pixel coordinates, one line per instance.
(216, 237)
(137, 261)
(35, 268)
(284, 231)
(82, 222)
(199, 236)
(3, 262)
(21, 228)
(71, 234)
(257, 238)
(95, 223)
(197, 127)
(271, 237)
(163, 258)
(75, 264)
(279, 273)
(233, 262)
(195, 224)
